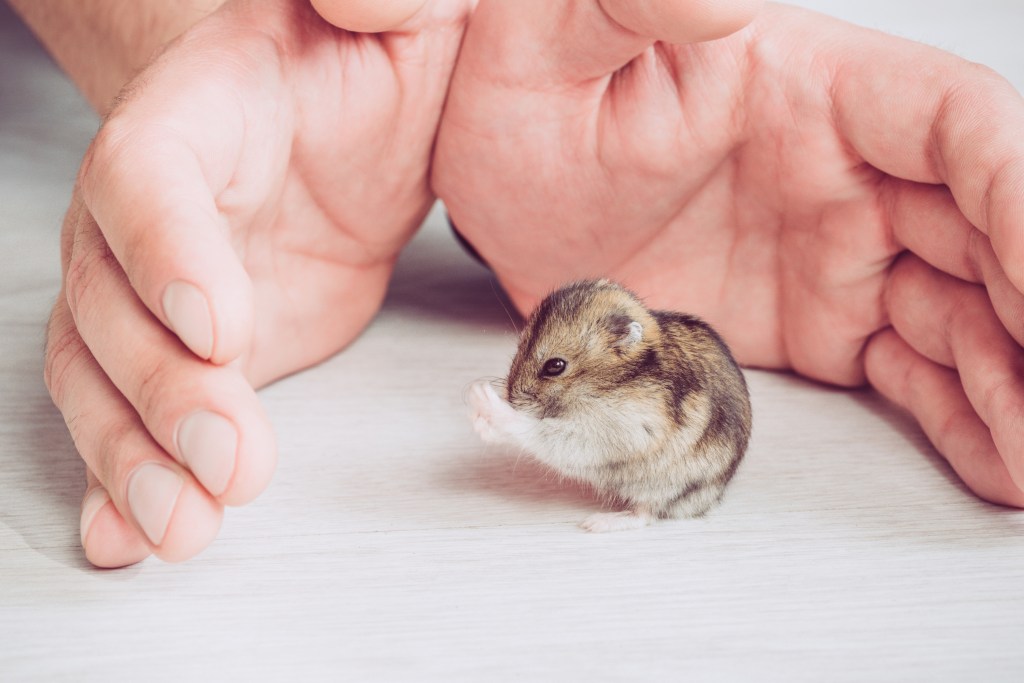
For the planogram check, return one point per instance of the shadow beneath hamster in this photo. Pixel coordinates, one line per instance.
(519, 479)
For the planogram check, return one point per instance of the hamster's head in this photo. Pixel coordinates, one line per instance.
(581, 342)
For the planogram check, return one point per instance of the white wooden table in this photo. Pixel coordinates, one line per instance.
(393, 546)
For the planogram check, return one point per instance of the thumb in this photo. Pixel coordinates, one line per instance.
(682, 21)
(546, 42)
(368, 16)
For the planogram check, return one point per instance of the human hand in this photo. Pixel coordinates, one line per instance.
(834, 200)
(236, 219)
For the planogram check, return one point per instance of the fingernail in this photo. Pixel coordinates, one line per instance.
(152, 493)
(207, 442)
(92, 504)
(188, 314)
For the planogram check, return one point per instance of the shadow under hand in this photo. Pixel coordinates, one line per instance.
(904, 424)
(966, 508)
(41, 475)
(436, 278)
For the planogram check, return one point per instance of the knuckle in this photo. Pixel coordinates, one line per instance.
(115, 152)
(1001, 398)
(154, 380)
(101, 155)
(974, 85)
(914, 378)
(984, 79)
(90, 260)
(115, 458)
(65, 351)
(975, 256)
(69, 227)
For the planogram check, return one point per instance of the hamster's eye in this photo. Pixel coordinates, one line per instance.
(554, 367)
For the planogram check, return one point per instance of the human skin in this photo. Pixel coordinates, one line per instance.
(836, 201)
(275, 165)
(317, 100)
(102, 44)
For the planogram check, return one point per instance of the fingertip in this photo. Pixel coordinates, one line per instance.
(935, 397)
(255, 458)
(368, 16)
(188, 315)
(194, 525)
(212, 312)
(232, 309)
(220, 431)
(1003, 213)
(108, 540)
(252, 479)
(881, 365)
(683, 21)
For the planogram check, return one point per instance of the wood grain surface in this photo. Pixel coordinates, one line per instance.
(393, 546)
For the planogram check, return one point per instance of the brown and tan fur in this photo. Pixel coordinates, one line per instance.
(650, 408)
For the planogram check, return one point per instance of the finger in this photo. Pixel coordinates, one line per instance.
(927, 221)
(922, 114)
(934, 396)
(540, 44)
(369, 16)
(154, 200)
(156, 495)
(108, 539)
(683, 21)
(208, 417)
(952, 323)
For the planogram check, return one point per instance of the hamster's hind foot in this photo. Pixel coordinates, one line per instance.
(616, 521)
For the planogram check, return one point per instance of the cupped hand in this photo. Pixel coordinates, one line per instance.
(236, 219)
(835, 200)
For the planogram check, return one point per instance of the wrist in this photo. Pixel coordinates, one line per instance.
(102, 44)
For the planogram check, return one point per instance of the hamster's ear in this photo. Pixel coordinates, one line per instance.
(632, 335)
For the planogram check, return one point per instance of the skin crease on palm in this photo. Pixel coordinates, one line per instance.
(742, 179)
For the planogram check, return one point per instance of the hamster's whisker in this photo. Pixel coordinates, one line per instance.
(519, 457)
(503, 306)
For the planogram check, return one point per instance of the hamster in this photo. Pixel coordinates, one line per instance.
(648, 407)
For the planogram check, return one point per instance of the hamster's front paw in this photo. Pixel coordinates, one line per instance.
(615, 521)
(484, 404)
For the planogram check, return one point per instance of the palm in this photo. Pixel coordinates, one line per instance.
(739, 203)
(329, 179)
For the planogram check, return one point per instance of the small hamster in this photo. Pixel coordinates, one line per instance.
(648, 407)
